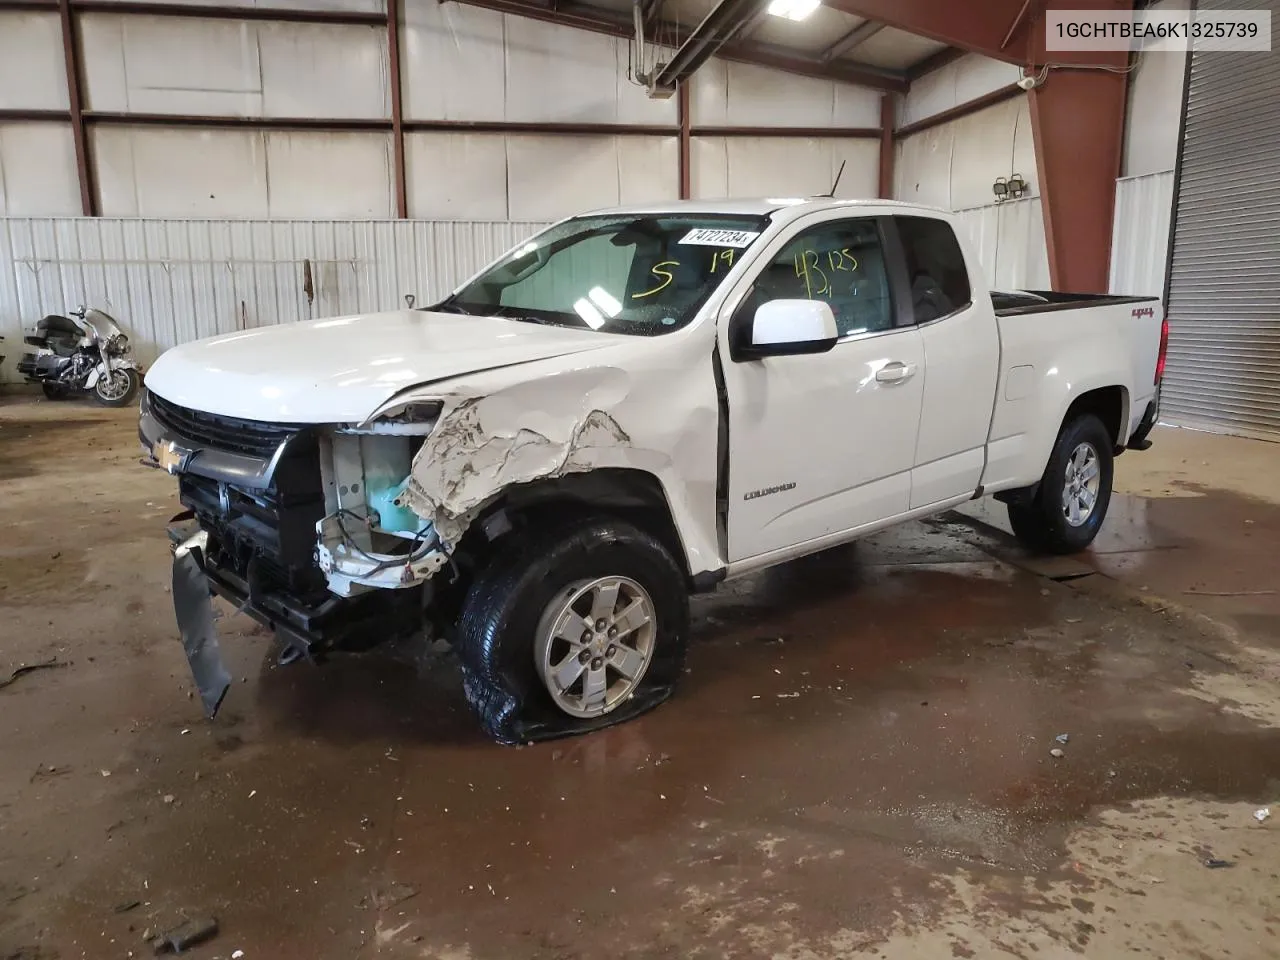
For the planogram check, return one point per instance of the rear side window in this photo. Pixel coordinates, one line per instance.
(935, 267)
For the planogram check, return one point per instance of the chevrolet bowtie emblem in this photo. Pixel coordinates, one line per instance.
(170, 456)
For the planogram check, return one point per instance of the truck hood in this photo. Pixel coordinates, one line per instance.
(343, 369)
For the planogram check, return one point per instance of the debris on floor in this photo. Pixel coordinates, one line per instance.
(1213, 863)
(1063, 737)
(1057, 753)
(50, 664)
(1262, 815)
(188, 934)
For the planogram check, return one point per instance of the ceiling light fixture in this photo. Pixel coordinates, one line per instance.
(794, 9)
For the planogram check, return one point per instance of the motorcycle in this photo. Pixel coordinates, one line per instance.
(86, 351)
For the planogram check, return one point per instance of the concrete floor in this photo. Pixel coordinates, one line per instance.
(857, 765)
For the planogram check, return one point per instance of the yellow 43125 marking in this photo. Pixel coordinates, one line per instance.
(807, 266)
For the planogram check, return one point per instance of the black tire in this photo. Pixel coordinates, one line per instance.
(129, 395)
(54, 391)
(496, 631)
(1040, 524)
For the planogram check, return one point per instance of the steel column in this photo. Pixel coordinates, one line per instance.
(1077, 120)
(71, 55)
(397, 115)
(682, 108)
(886, 146)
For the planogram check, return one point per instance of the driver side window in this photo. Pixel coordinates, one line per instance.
(841, 263)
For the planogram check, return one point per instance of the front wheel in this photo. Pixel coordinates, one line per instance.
(1074, 493)
(582, 627)
(118, 388)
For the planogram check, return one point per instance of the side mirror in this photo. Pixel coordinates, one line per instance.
(787, 327)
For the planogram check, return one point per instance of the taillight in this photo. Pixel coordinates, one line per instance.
(1164, 349)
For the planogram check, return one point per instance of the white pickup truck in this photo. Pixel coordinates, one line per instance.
(632, 406)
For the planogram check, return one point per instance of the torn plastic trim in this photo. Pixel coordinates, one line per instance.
(193, 606)
(350, 569)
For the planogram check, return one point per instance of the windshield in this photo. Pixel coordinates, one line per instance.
(641, 275)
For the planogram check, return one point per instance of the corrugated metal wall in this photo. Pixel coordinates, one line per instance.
(1009, 238)
(1224, 292)
(170, 281)
(1140, 234)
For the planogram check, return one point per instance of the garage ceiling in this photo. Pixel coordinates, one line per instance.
(828, 42)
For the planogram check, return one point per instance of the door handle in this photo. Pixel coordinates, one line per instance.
(896, 372)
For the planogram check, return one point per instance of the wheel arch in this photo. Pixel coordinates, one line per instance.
(627, 493)
(1110, 404)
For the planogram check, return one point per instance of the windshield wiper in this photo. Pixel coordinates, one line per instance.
(447, 306)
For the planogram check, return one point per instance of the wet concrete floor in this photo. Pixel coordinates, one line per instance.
(858, 763)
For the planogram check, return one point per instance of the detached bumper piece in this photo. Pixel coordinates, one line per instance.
(194, 609)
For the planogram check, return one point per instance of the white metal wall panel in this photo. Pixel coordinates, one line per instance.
(783, 166)
(324, 70)
(559, 75)
(1224, 299)
(959, 82)
(241, 173)
(172, 281)
(352, 6)
(1140, 236)
(953, 165)
(33, 75)
(443, 43)
(38, 170)
(1155, 105)
(554, 176)
(329, 175)
(222, 172)
(1009, 240)
(742, 95)
(233, 68)
(459, 176)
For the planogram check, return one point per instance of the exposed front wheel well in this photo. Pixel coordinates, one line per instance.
(631, 495)
(1108, 404)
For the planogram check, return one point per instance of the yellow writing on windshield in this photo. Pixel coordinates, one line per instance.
(725, 257)
(665, 276)
(817, 281)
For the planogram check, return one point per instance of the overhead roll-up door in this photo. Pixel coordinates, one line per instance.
(1223, 370)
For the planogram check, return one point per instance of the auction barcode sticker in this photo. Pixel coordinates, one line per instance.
(707, 237)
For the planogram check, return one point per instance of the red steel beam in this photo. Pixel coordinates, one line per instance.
(963, 110)
(1077, 120)
(865, 133)
(397, 112)
(34, 116)
(685, 145)
(221, 12)
(71, 56)
(886, 146)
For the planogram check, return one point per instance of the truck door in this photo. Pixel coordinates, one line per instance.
(823, 443)
(962, 358)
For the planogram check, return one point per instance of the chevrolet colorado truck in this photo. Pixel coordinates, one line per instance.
(631, 407)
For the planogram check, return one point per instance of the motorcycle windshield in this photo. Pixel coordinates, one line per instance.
(102, 326)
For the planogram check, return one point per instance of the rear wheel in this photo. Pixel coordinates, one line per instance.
(581, 627)
(1068, 509)
(118, 388)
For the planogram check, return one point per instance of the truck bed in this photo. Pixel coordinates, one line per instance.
(1016, 302)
